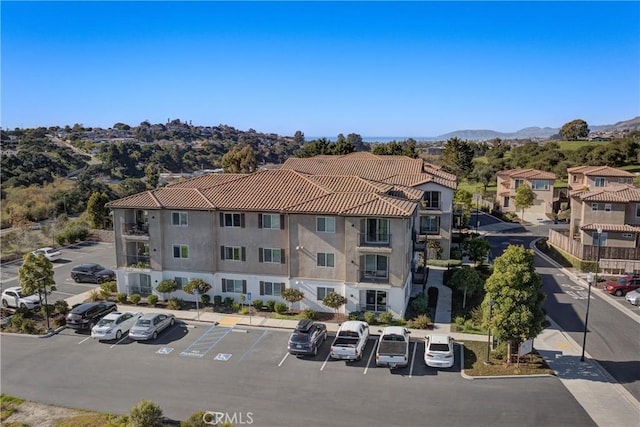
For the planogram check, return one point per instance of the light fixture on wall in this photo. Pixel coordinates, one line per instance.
(299, 248)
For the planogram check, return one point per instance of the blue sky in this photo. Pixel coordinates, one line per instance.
(372, 68)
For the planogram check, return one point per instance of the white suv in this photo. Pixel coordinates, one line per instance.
(12, 297)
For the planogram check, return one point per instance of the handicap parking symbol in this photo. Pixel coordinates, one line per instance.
(223, 356)
(165, 350)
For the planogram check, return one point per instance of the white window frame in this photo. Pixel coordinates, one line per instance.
(232, 217)
(323, 291)
(179, 219)
(627, 235)
(594, 207)
(368, 272)
(272, 218)
(181, 248)
(230, 253)
(273, 289)
(540, 185)
(235, 283)
(272, 254)
(328, 224)
(607, 207)
(181, 281)
(326, 259)
(600, 182)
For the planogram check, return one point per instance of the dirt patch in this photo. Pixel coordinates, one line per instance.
(39, 414)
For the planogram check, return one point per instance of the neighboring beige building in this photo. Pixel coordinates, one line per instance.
(347, 226)
(541, 183)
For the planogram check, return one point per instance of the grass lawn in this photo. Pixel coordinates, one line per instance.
(475, 354)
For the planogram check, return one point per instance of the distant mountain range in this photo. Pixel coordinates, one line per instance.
(532, 132)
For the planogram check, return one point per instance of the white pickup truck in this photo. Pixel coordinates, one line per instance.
(350, 340)
(393, 347)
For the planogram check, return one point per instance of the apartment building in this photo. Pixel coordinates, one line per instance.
(541, 183)
(260, 233)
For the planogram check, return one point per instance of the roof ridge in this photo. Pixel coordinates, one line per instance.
(384, 198)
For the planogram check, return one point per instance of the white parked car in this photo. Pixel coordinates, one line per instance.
(12, 297)
(114, 325)
(50, 253)
(633, 297)
(438, 351)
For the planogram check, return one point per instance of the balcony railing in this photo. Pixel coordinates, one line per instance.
(373, 276)
(375, 239)
(376, 308)
(139, 261)
(136, 229)
(428, 206)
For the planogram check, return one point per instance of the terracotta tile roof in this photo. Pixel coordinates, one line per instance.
(619, 228)
(208, 180)
(600, 171)
(390, 169)
(366, 204)
(623, 193)
(527, 174)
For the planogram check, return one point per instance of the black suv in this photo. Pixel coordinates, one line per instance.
(93, 273)
(85, 315)
(307, 338)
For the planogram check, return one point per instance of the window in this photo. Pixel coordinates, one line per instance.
(575, 178)
(326, 260)
(181, 282)
(627, 236)
(321, 292)
(233, 253)
(271, 255)
(431, 200)
(232, 220)
(377, 230)
(430, 224)
(607, 207)
(519, 182)
(179, 219)
(325, 224)
(539, 184)
(637, 211)
(505, 202)
(600, 182)
(376, 266)
(271, 221)
(180, 251)
(271, 288)
(235, 286)
(594, 207)
(376, 301)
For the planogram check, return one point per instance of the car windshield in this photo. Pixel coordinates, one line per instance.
(299, 337)
(97, 268)
(105, 322)
(19, 293)
(438, 347)
(144, 322)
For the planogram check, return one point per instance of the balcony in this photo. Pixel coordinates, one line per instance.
(373, 276)
(136, 229)
(381, 240)
(426, 205)
(139, 262)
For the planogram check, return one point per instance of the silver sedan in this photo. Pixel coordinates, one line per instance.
(150, 325)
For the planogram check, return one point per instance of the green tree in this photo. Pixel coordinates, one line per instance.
(292, 296)
(199, 284)
(167, 286)
(466, 280)
(457, 157)
(298, 137)
(334, 300)
(129, 186)
(343, 146)
(146, 414)
(239, 160)
(96, 211)
(515, 290)
(574, 130)
(524, 198)
(36, 275)
(476, 249)
(462, 199)
(152, 175)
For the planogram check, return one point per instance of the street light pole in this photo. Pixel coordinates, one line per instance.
(477, 212)
(591, 278)
(488, 361)
(46, 303)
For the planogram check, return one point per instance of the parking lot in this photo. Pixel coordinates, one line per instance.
(228, 347)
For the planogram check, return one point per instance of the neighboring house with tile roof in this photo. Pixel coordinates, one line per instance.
(351, 231)
(541, 183)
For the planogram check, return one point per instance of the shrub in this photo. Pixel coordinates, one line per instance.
(166, 287)
(386, 317)
(121, 297)
(420, 304)
(146, 414)
(355, 315)
(47, 309)
(135, 298)
(257, 304)
(174, 304)
(59, 321)
(421, 322)
(16, 320)
(228, 301)
(205, 299)
(105, 293)
(152, 299)
(62, 307)
(244, 310)
(271, 305)
(217, 300)
(195, 420)
(477, 315)
(459, 320)
(308, 313)
(235, 306)
(94, 295)
(468, 325)
(109, 286)
(370, 317)
(280, 307)
(28, 326)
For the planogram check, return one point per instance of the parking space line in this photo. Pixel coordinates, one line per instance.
(283, 359)
(121, 339)
(413, 358)
(206, 342)
(84, 339)
(370, 357)
(325, 361)
(252, 346)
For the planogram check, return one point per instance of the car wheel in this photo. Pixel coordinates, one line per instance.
(76, 279)
(315, 351)
(22, 305)
(118, 334)
(154, 336)
(172, 322)
(5, 304)
(618, 293)
(325, 337)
